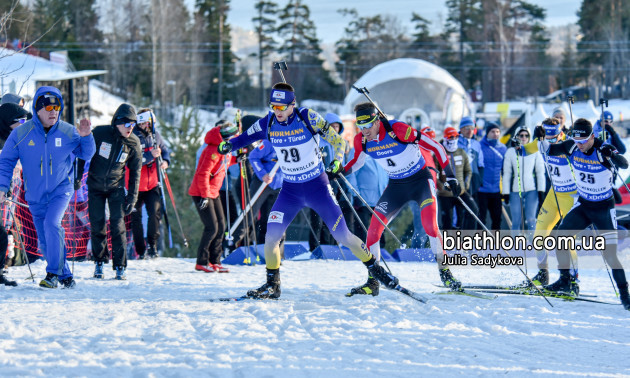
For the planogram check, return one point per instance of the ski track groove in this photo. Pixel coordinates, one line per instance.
(164, 325)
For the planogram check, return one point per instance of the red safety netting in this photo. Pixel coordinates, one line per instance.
(75, 221)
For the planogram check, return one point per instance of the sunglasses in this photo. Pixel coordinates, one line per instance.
(129, 124)
(363, 126)
(523, 135)
(20, 120)
(280, 107)
(582, 141)
(52, 107)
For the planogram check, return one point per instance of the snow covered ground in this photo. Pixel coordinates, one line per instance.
(161, 323)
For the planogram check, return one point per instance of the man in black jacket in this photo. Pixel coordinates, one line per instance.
(116, 147)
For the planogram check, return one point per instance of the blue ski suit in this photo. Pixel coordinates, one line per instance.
(48, 170)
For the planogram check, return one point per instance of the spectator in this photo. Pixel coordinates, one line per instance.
(10, 98)
(524, 182)
(471, 146)
(204, 189)
(149, 192)
(117, 148)
(489, 195)
(458, 159)
(44, 146)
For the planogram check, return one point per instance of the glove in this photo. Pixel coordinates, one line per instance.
(506, 199)
(453, 185)
(334, 169)
(516, 143)
(241, 156)
(129, 207)
(203, 203)
(77, 184)
(607, 150)
(609, 129)
(224, 148)
(541, 197)
(539, 132)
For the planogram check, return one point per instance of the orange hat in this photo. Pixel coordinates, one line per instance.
(429, 131)
(450, 132)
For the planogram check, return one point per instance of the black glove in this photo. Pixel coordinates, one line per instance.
(506, 199)
(77, 184)
(334, 169)
(607, 150)
(453, 185)
(541, 197)
(224, 148)
(203, 203)
(539, 132)
(129, 207)
(609, 129)
(516, 143)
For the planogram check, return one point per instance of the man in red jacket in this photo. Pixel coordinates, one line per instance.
(204, 190)
(154, 153)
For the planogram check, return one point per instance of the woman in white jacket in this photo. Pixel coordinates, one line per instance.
(525, 177)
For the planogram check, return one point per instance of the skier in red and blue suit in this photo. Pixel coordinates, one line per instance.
(294, 135)
(396, 147)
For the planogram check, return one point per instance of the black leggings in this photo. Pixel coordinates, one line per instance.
(209, 250)
(490, 202)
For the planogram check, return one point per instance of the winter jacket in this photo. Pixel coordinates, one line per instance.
(475, 156)
(493, 164)
(461, 166)
(46, 157)
(113, 153)
(149, 174)
(210, 172)
(263, 158)
(532, 172)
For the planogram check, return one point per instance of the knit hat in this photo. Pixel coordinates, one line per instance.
(466, 121)
(608, 116)
(45, 100)
(9, 112)
(490, 126)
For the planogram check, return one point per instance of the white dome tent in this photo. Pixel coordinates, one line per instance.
(400, 85)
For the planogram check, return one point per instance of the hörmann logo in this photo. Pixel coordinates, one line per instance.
(383, 147)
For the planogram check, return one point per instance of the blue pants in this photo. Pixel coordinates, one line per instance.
(530, 206)
(318, 195)
(50, 234)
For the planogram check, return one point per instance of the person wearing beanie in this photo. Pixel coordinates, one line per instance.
(117, 147)
(46, 146)
(10, 98)
(593, 164)
(155, 156)
(471, 146)
(489, 195)
(294, 134)
(204, 190)
(608, 131)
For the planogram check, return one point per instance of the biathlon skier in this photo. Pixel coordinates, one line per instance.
(593, 164)
(294, 135)
(396, 147)
(560, 197)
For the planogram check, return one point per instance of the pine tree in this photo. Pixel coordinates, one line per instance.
(265, 27)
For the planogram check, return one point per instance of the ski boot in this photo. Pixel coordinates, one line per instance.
(220, 268)
(5, 281)
(98, 270)
(204, 268)
(68, 283)
(448, 280)
(371, 287)
(271, 289)
(120, 273)
(377, 271)
(151, 252)
(624, 296)
(51, 281)
(566, 284)
(540, 279)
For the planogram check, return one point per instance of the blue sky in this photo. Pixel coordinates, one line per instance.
(330, 24)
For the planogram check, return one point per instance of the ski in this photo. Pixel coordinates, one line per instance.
(558, 295)
(238, 299)
(463, 291)
(511, 287)
(411, 294)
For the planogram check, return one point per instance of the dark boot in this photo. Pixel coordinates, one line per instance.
(449, 280)
(380, 274)
(151, 252)
(540, 279)
(371, 287)
(5, 281)
(566, 284)
(271, 289)
(51, 281)
(624, 296)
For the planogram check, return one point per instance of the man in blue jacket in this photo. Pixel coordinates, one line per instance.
(490, 192)
(44, 145)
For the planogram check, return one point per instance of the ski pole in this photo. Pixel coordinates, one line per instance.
(507, 253)
(364, 91)
(16, 202)
(170, 193)
(571, 100)
(166, 222)
(403, 246)
(357, 215)
(251, 213)
(603, 101)
(310, 226)
(227, 201)
(280, 66)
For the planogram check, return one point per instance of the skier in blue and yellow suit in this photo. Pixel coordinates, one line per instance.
(45, 146)
(294, 135)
